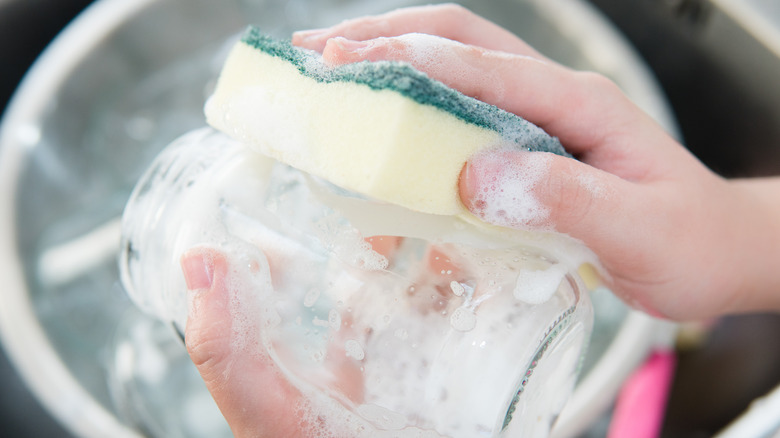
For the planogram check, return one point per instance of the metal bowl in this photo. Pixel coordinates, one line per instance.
(122, 81)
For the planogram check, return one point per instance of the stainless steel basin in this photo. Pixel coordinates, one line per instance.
(121, 82)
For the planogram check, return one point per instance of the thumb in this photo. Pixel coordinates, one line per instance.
(538, 190)
(226, 348)
(547, 192)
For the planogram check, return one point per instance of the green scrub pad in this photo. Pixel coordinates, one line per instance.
(382, 129)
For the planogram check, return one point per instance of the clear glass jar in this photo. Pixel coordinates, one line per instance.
(450, 327)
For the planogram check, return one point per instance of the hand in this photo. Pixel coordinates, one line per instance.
(245, 383)
(676, 239)
(225, 339)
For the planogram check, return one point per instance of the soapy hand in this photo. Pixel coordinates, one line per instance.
(244, 382)
(676, 239)
(224, 338)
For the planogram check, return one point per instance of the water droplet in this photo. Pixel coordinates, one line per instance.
(334, 319)
(354, 349)
(320, 323)
(457, 288)
(311, 297)
(463, 319)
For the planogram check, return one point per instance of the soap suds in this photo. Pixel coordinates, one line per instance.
(504, 193)
(354, 350)
(592, 185)
(536, 287)
(463, 319)
(346, 243)
(428, 52)
(339, 295)
(252, 308)
(433, 54)
(457, 288)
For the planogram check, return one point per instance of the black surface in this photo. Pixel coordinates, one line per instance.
(20, 413)
(26, 28)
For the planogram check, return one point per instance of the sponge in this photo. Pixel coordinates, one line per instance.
(381, 129)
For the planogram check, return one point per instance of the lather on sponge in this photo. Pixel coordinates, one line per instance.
(382, 129)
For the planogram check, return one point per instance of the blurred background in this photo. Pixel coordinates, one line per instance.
(720, 70)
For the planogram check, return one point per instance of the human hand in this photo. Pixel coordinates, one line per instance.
(676, 240)
(244, 382)
(225, 338)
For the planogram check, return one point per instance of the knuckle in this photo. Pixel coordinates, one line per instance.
(455, 12)
(204, 347)
(596, 81)
(570, 203)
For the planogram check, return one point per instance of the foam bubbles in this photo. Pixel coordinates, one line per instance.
(504, 193)
(338, 313)
(348, 244)
(536, 287)
(432, 54)
(251, 308)
(444, 59)
(463, 319)
(354, 349)
(592, 185)
(311, 297)
(334, 319)
(457, 288)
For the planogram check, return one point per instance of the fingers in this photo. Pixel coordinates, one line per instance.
(386, 246)
(658, 241)
(587, 112)
(449, 21)
(546, 192)
(225, 347)
(521, 189)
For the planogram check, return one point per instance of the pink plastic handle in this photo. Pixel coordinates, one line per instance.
(641, 404)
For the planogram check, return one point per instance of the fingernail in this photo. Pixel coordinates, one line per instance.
(467, 185)
(198, 270)
(308, 34)
(498, 187)
(349, 45)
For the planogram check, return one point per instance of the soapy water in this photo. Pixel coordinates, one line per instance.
(441, 325)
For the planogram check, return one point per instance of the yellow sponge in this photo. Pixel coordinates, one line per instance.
(382, 129)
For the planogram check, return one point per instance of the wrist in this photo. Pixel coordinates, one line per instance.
(757, 248)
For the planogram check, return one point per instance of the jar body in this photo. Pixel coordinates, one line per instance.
(444, 327)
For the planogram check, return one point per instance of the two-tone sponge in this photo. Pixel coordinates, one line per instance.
(382, 129)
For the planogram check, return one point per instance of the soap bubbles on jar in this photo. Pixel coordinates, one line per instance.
(389, 321)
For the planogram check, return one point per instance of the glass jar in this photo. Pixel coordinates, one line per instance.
(449, 327)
